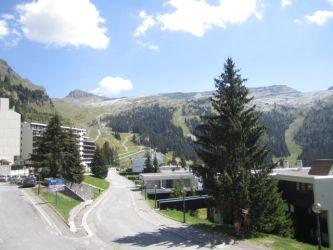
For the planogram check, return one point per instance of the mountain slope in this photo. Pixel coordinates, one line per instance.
(16, 79)
(30, 100)
(80, 96)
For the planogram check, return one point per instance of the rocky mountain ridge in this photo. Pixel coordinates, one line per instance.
(265, 98)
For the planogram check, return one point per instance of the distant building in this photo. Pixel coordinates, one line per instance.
(165, 181)
(303, 186)
(10, 127)
(33, 132)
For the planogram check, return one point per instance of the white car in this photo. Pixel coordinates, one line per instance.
(3, 178)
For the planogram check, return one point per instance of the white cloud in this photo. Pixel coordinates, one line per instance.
(148, 46)
(110, 86)
(330, 1)
(320, 17)
(3, 29)
(63, 22)
(285, 3)
(148, 21)
(198, 16)
(8, 16)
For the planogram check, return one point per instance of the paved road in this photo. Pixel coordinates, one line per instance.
(23, 227)
(124, 221)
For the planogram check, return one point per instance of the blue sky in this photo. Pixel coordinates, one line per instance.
(132, 47)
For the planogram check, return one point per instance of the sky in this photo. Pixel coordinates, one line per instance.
(132, 47)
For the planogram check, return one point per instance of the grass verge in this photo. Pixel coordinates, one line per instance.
(98, 184)
(269, 241)
(65, 203)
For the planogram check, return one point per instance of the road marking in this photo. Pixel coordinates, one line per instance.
(42, 213)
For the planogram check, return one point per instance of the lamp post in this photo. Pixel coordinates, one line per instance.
(145, 187)
(39, 171)
(184, 207)
(155, 187)
(316, 208)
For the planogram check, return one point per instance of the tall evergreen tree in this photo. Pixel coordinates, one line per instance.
(72, 169)
(234, 162)
(183, 163)
(98, 164)
(155, 164)
(108, 153)
(50, 152)
(148, 166)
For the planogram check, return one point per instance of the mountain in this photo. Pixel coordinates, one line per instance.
(283, 108)
(16, 79)
(30, 100)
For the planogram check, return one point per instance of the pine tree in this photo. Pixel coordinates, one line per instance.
(228, 144)
(174, 160)
(183, 163)
(155, 164)
(148, 167)
(98, 164)
(178, 189)
(72, 169)
(108, 153)
(50, 152)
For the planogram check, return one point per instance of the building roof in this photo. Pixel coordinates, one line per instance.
(298, 175)
(166, 176)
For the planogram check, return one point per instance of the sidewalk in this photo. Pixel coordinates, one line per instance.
(47, 213)
(201, 236)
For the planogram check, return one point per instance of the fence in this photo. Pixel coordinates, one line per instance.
(82, 191)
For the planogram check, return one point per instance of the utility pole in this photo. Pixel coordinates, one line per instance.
(184, 208)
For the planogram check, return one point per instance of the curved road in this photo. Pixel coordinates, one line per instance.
(120, 220)
(123, 220)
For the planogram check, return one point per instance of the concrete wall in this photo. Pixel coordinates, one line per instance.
(4, 170)
(10, 131)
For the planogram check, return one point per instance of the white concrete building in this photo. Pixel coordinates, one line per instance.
(301, 187)
(10, 130)
(165, 181)
(33, 132)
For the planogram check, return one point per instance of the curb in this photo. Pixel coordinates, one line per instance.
(93, 205)
(74, 212)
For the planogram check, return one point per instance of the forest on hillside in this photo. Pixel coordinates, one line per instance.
(316, 134)
(33, 105)
(277, 121)
(156, 129)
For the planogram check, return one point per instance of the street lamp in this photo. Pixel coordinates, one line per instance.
(184, 207)
(39, 173)
(316, 208)
(155, 196)
(145, 187)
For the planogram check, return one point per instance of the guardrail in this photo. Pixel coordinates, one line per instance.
(191, 202)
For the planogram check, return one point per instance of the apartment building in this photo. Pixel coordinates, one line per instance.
(31, 134)
(10, 126)
(301, 187)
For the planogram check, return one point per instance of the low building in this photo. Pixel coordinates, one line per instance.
(303, 186)
(164, 182)
(33, 132)
(10, 129)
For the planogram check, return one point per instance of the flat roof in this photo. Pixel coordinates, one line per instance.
(165, 176)
(298, 175)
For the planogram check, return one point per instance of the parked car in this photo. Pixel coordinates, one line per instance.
(3, 178)
(29, 181)
(16, 179)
